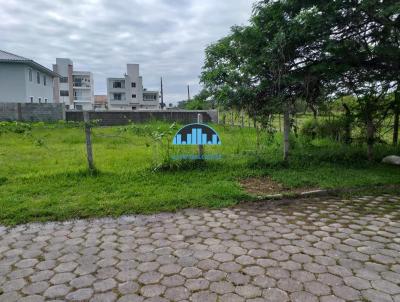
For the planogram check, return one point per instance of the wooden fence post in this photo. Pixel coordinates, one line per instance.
(232, 123)
(201, 147)
(88, 141)
(242, 119)
(280, 122)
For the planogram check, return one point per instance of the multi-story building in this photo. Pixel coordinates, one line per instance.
(74, 88)
(23, 80)
(127, 93)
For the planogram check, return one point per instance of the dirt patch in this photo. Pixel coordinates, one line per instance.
(267, 186)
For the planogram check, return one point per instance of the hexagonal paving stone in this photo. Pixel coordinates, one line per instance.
(177, 293)
(204, 296)
(82, 294)
(152, 290)
(150, 278)
(275, 295)
(174, 280)
(357, 283)
(170, 269)
(129, 287)
(57, 291)
(386, 286)
(222, 287)
(197, 284)
(248, 291)
(131, 298)
(104, 285)
(310, 250)
(302, 296)
(36, 288)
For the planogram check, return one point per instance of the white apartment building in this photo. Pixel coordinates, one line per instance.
(127, 93)
(23, 80)
(74, 88)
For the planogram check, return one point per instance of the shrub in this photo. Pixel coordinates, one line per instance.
(15, 127)
(334, 129)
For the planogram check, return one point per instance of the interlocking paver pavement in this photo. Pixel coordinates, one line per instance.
(305, 250)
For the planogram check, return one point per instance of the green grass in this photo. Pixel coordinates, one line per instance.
(43, 176)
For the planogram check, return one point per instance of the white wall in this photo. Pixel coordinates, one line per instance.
(132, 76)
(12, 83)
(15, 85)
(39, 90)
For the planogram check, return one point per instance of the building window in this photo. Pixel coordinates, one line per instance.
(63, 79)
(64, 93)
(31, 99)
(133, 96)
(133, 85)
(38, 77)
(117, 96)
(40, 100)
(44, 80)
(117, 85)
(45, 101)
(30, 74)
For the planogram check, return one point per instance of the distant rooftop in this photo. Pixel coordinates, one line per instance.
(7, 57)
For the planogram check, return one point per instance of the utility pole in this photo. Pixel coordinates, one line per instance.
(188, 91)
(162, 95)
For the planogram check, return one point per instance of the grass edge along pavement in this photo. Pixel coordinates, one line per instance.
(43, 177)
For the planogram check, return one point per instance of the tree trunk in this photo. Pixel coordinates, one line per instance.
(396, 127)
(370, 139)
(286, 133)
(396, 118)
(315, 112)
(347, 138)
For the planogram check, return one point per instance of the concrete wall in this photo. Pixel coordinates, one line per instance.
(31, 112)
(113, 118)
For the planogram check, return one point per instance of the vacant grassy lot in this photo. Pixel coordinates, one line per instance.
(43, 173)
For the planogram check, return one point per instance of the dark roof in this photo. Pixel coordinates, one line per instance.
(7, 57)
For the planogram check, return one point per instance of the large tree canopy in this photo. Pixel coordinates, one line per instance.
(313, 50)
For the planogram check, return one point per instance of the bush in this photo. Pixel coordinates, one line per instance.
(15, 127)
(305, 153)
(334, 129)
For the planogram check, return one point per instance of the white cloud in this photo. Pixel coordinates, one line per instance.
(166, 37)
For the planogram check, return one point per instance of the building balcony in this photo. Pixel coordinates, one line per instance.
(82, 86)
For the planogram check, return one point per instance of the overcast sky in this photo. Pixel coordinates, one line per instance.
(166, 37)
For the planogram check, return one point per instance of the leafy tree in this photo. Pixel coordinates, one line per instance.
(314, 50)
(200, 101)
